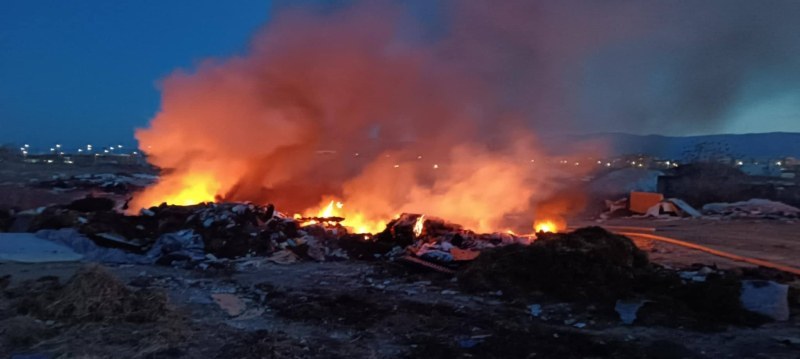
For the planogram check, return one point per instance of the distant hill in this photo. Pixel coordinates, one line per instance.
(756, 145)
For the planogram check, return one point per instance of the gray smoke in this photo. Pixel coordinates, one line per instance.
(638, 66)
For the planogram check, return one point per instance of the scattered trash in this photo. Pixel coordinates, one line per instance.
(642, 202)
(230, 303)
(793, 341)
(90, 251)
(535, 309)
(627, 309)
(754, 208)
(283, 257)
(467, 343)
(181, 245)
(696, 276)
(766, 297)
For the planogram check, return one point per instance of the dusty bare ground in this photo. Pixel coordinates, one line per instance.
(350, 309)
(772, 240)
(15, 178)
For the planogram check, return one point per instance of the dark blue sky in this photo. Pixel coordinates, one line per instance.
(87, 71)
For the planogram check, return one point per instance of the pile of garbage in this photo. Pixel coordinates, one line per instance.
(654, 205)
(754, 208)
(118, 183)
(212, 231)
(591, 265)
(588, 264)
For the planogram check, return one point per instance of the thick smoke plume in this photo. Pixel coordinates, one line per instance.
(432, 106)
(343, 106)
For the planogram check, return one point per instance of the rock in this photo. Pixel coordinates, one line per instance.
(230, 303)
(766, 297)
(92, 204)
(22, 331)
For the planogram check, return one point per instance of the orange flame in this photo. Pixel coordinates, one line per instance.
(549, 226)
(355, 221)
(419, 225)
(278, 124)
(189, 189)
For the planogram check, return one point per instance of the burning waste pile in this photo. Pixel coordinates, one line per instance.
(213, 232)
(367, 138)
(587, 265)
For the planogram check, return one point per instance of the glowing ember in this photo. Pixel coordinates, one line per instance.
(419, 225)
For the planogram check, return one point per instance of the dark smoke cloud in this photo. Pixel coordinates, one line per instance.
(631, 66)
(439, 107)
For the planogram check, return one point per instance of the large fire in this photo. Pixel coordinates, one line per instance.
(184, 190)
(339, 115)
(549, 225)
(353, 220)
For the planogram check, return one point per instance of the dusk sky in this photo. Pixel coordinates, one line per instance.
(88, 71)
(78, 71)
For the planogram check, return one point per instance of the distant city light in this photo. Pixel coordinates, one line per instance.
(52, 149)
(435, 166)
(119, 146)
(80, 150)
(58, 145)
(739, 163)
(779, 163)
(27, 146)
(419, 157)
(396, 166)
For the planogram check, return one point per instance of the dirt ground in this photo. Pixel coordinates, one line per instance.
(772, 240)
(15, 178)
(357, 310)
